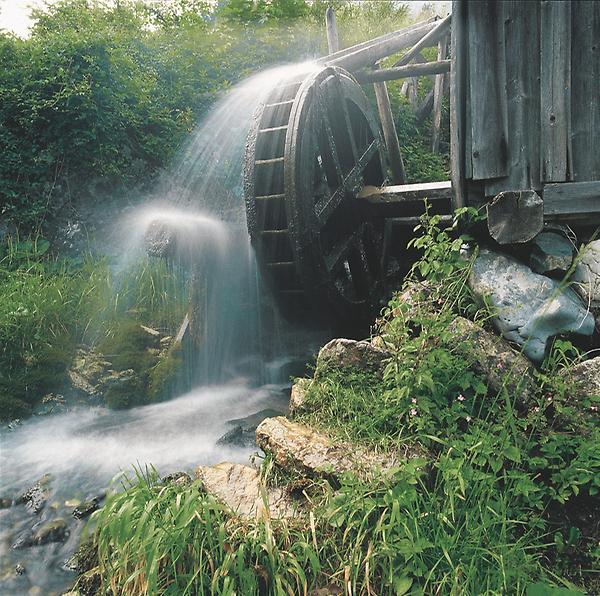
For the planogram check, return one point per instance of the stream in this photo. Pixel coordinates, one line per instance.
(84, 449)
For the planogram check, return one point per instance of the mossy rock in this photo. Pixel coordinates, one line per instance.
(128, 347)
(163, 378)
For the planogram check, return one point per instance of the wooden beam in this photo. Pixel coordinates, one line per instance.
(389, 133)
(438, 95)
(367, 54)
(570, 199)
(428, 40)
(403, 72)
(405, 199)
(515, 217)
(555, 90)
(333, 40)
(383, 105)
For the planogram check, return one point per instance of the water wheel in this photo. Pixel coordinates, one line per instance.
(315, 144)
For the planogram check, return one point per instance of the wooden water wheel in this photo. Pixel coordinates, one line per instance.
(315, 144)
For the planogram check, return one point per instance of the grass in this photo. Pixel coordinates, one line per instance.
(492, 511)
(49, 305)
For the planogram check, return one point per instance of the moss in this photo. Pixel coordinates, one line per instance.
(163, 378)
(13, 407)
(127, 347)
(125, 392)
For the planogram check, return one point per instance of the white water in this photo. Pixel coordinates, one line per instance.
(201, 198)
(84, 449)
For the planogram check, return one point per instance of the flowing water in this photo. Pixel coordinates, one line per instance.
(198, 207)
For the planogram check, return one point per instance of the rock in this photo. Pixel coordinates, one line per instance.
(52, 531)
(238, 437)
(552, 252)
(585, 378)
(349, 353)
(5, 503)
(178, 478)
(244, 429)
(87, 508)
(312, 453)
(587, 274)
(298, 394)
(84, 559)
(239, 487)
(36, 497)
(19, 569)
(88, 370)
(531, 308)
(496, 360)
(51, 403)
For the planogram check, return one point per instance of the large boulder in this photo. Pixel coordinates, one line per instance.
(496, 360)
(349, 353)
(529, 308)
(240, 488)
(312, 453)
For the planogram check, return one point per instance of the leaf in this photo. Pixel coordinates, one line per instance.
(540, 589)
(402, 585)
(511, 452)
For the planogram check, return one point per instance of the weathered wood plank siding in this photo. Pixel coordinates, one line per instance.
(555, 90)
(526, 98)
(487, 70)
(585, 97)
(522, 59)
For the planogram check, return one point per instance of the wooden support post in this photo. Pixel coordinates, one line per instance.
(389, 133)
(383, 105)
(333, 41)
(438, 96)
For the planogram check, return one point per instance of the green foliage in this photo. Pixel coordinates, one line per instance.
(49, 305)
(42, 308)
(100, 96)
(164, 376)
(488, 512)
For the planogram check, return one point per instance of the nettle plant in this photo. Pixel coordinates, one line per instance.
(429, 383)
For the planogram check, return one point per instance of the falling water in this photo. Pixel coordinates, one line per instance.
(198, 208)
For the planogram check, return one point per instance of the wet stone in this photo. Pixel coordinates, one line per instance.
(53, 531)
(36, 497)
(87, 508)
(243, 433)
(178, 478)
